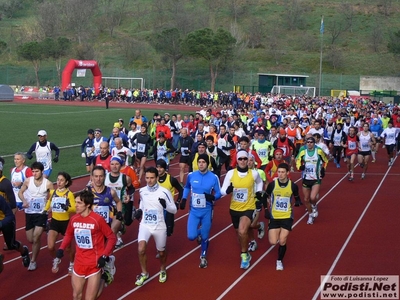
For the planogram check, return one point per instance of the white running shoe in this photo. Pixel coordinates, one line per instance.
(110, 265)
(70, 268)
(362, 175)
(310, 220)
(252, 246)
(261, 230)
(55, 267)
(279, 265)
(203, 262)
(32, 266)
(119, 243)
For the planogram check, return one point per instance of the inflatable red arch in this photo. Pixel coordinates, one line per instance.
(81, 64)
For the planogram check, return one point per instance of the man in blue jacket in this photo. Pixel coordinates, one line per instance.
(205, 189)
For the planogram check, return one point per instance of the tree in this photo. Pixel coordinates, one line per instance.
(112, 12)
(33, 52)
(9, 7)
(56, 49)
(376, 36)
(394, 43)
(294, 14)
(214, 47)
(3, 46)
(168, 43)
(51, 27)
(334, 57)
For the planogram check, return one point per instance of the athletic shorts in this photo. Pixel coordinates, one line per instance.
(35, 220)
(364, 153)
(390, 148)
(236, 215)
(89, 160)
(59, 226)
(308, 184)
(85, 271)
(280, 223)
(184, 160)
(159, 235)
(139, 156)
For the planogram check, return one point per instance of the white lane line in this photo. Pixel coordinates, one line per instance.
(350, 235)
(270, 248)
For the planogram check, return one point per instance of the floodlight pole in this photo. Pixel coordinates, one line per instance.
(320, 56)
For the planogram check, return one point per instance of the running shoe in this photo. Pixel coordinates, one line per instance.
(133, 212)
(107, 277)
(203, 262)
(310, 220)
(351, 178)
(119, 243)
(373, 160)
(55, 267)
(140, 279)
(25, 257)
(163, 276)
(252, 246)
(315, 211)
(1, 262)
(362, 175)
(245, 263)
(389, 163)
(338, 166)
(32, 266)
(279, 265)
(261, 230)
(70, 268)
(110, 265)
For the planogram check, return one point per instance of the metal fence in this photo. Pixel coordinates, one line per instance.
(197, 79)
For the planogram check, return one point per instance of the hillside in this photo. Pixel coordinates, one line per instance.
(271, 36)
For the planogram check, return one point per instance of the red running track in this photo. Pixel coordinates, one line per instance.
(355, 234)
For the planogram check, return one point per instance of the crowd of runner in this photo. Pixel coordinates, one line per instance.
(256, 142)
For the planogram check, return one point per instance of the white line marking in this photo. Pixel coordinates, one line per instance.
(350, 235)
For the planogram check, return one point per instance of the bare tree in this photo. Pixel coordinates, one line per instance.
(76, 17)
(294, 14)
(376, 36)
(274, 45)
(336, 29)
(334, 57)
(112, 12)
(51, 27)
(347, 12)
(255, 32)
(385, 7)
(237, 9)
(307, 42)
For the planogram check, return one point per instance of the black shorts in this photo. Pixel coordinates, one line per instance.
(89, 160)
(390, 148)
(139, 156)
(9, 236)
(184, 160)
(236, 215)
(59, 226)
(310, 183)
(35, 220)
(281, 223)
(364, 153)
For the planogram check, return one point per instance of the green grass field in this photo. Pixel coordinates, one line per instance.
(66, 126)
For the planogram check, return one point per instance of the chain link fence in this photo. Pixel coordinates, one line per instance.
(186, 79)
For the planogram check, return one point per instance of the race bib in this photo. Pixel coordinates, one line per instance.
(103, 211)
(141, 147)
(365, 145)
(44, 161)
(240, 195)
(262, 153)
(36, 205)
(282, 204)
(310, 169)
(352, 145)
(183, 149)
(83, 238)
(56, 204)
(151, 217)
(198, 200)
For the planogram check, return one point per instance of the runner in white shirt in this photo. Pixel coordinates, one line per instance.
(390, 135)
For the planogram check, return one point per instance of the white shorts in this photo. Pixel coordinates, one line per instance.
(159, 235)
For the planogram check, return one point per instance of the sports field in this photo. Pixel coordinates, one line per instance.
(66, 126)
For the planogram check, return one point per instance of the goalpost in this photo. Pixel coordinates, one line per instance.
(293, 90)
(126, 82)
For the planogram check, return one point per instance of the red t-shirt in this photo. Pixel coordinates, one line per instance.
(90, 233)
